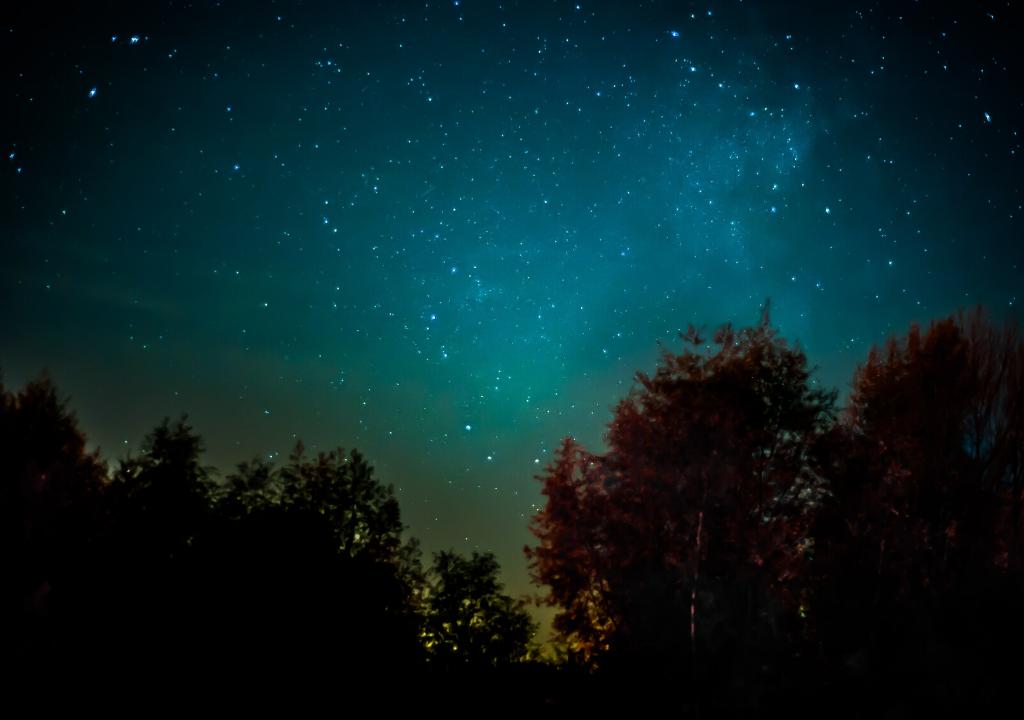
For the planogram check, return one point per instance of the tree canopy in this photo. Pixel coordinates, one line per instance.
(51, 509)
(740, 522)
(918, 541)
(301, 568)
(469, 621)
(710, 472)
(743, 544)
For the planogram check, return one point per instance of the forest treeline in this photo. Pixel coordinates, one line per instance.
(745, 546)
(156, 574)
(748, 547)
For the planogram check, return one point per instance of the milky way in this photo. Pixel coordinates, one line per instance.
(448, 234)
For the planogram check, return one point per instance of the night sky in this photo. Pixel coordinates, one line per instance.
(448, 234)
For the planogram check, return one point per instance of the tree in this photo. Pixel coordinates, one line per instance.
(920, 528)
(163, 496)
(271, 591)
(689, 530)
(363, 514)
(354, 581)
(932, 435)
(299, 569)
(469, 621)
(51, 511)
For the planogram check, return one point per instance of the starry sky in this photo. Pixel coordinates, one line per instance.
(449, 233)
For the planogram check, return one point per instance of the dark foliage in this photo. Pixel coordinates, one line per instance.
(740, 547)
(693, 522)
(51, 512)
(918, 542)
(168, 583)
(468, 620)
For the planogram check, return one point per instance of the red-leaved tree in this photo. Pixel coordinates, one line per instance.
(924, 511)
(693, 524)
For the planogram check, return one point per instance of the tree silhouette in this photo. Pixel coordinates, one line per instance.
(51, 513)
(160, 573)
(738, 548)
(125, 609)
(916, 539)
(301, 570)
(686, 534)
(364, 515)
(469, 621)
(163, 496)
(306, 562)
(272, 590)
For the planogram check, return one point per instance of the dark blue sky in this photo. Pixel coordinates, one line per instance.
(448, 234)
